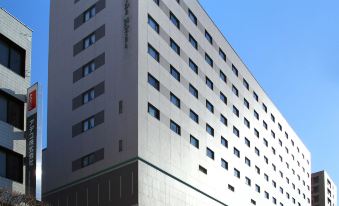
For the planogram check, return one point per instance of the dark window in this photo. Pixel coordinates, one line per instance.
(153, 24)
(192, 17)
(264, 107)
(247, 142)
(153, 111)
(236, 173)
(193, 66)
(194, 141)
(89, 41)
(235, 91)
(202, 169)
(236, 111)
(11, 111)
(209, 106)
(255, 96)
(208, 37)
(153, 81)
(174, 20)
(157, 2)
(11, 165)
(246, 85)
(236, 152)
(224, 164)
(222, 54)
(209, 130)
(224, 142)
(89, 13)
(175, 73)
(208, 60)
(236, 131)
(223, 119)
(193, 42)
(246, 103)
(223, 76)
(175, 100)
(154, 53)
(209, 83)
(88, 96)
(175, 127)
(193, 91)
(256, 115)
(235, 70)
(210, 153)
(88, 160)
(175, 46)
(88, 68)
(247, 123)
(194, 116)
(223, 98)
(12, 56)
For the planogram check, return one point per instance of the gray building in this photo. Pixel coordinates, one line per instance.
(324, 190)
(150, 105)
(15, 70)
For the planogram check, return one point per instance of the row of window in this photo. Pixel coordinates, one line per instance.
(11, 110)
(176, 101)
(208, 59)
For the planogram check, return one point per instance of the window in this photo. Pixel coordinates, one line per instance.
(175, 127)
(88, 96)
(256, 115)
(88, 124)
(247, 142)
(90, 13)
(194, 116)
(88, 69)
(224, 164)
(202, 169)
(257, 151)
(266, 177)
(222, 54)
(257, 169)
(272, 118)
(264, 107)
(89, 40)
(248, 181)
(224, 142)
(265, 142)
(235, 111)
(264, 124)
(246, 85)
(11, 110)
(235, 91)
(175, 46)
(208, 37)
(257, 188)
(174, 20)
(235, 70)
(223, 119)
(246, 103)
(247, 123)
(175, 100)
(210, 153)
(210, 130)
(236, 152)
(12, 56)
(255, 96)
(236, 173)
(193, 66)
(194, 141)
(192, 17)
(175, 73)
(209, 106)
(88, 160)
(153, 111)
(256, 133)
(153, 81)
(208, 59)
(193, 91)
(209, 83)
(153, 24)
(157, 2)
(153, 53)
(231, 188)
(236, 131)
(193, 42)
(223, 98)
(11, 165)
(247, 162)
(267, 195)
(223, 76)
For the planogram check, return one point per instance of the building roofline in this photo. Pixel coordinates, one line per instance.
(222, 34)
(3, 9)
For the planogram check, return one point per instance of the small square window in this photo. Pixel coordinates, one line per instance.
(223, 76)
(175, 47)
(194, 141)
(246, 85)
(235, 70)
(153, 53)
(222, 54)
(236, 131)
(210, 130)
(223, 98)
(175, 73)
(153, 81)
(194, 116)
(193, 91)
(235, 91)
(193, 66)
(175, 100)
(208, 37)
(209, 60)
(224, 142)
(192, 17)
(210, 153)
(193, 42)
(153, 111)
(209, 106)
(174, 20)
(175, 127)
(153, 24)
(209, 83)
(224, 164)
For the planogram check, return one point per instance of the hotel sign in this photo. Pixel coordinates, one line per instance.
(32, 140)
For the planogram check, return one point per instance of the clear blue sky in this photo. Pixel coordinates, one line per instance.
(291, 47)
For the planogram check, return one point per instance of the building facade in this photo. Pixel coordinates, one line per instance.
(324, 190)
(15, 70)
(150, 105)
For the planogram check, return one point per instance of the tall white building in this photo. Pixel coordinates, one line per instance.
(324, 190)
(15, 77)
(150, 105)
